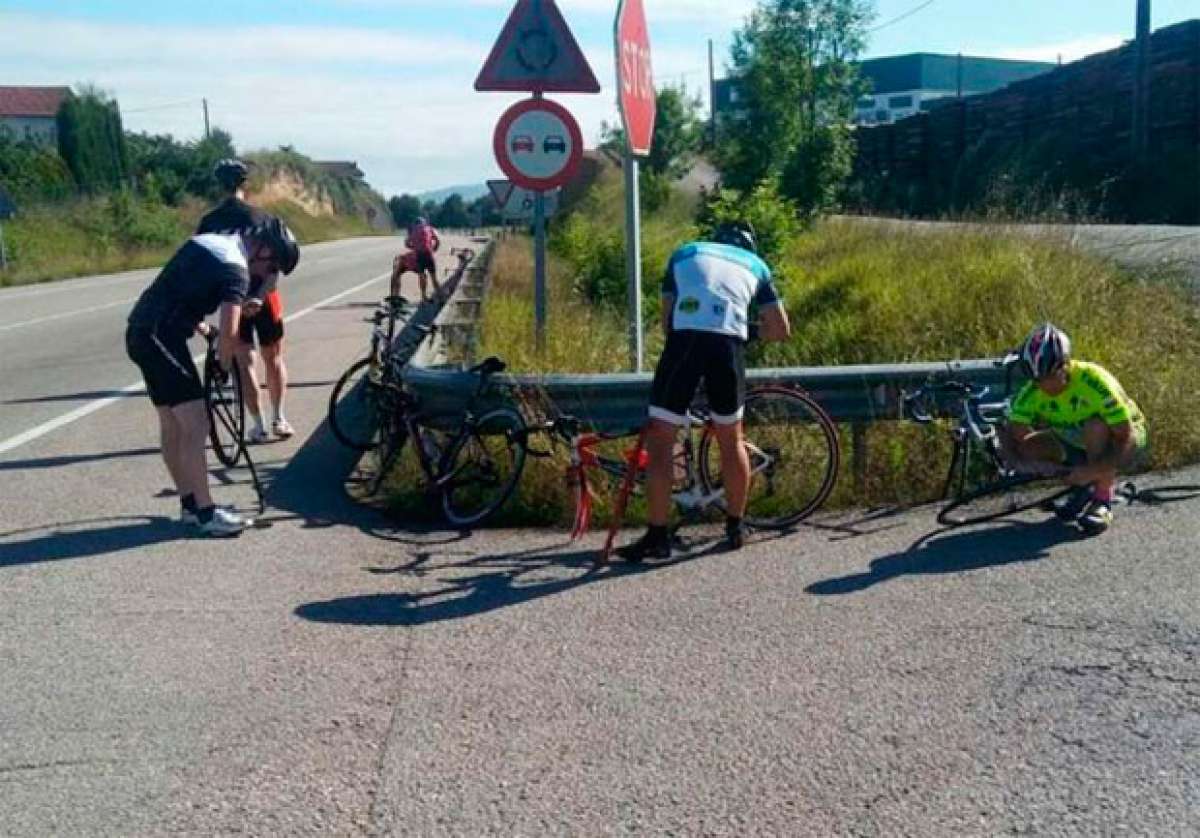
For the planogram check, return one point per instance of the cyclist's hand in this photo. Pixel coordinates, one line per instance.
(205, 330)
(252, 307)
(752, 331)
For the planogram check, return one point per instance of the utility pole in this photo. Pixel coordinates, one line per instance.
(1141, 85)
(712, 98)
(207, 133)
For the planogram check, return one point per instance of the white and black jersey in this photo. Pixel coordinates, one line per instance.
(207, 271)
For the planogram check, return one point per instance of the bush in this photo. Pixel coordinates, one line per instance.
(773, 216)
(33, 174)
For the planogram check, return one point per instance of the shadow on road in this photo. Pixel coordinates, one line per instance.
(957, 551)
(55, 544)
(73, 459)
(501, 581)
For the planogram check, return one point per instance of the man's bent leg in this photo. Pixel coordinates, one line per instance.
(735, 467)
(193, 468)
(660, 447)
(1097, 441)
(170, 434)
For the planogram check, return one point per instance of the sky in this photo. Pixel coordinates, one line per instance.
(388, 83)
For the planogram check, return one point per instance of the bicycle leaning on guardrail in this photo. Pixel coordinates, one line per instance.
(794, 459)
(982, 485)
(354, 403)
(475, 468)
(226, 408)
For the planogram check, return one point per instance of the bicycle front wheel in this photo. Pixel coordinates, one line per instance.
(354, 407)
(483, 467)
(794, 457)
(1004, 496)
(226, 411)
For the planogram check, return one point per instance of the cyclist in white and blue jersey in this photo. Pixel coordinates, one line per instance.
(707, 297)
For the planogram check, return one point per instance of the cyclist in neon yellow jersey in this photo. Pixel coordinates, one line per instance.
(1077, 413)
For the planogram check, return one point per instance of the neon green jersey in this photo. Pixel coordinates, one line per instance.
(1091, 391)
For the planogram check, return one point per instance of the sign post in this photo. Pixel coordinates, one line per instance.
(537, 142)
(637, 99)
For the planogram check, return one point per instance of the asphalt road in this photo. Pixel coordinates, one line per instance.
(336, 673)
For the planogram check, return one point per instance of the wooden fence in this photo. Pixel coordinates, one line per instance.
(1064, 137)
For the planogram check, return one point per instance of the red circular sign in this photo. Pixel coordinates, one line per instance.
(538, 144)
(635, 76)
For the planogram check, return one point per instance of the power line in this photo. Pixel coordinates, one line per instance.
(188, 102)
(904, 16)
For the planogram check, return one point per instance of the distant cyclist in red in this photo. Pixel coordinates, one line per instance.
(423, 241)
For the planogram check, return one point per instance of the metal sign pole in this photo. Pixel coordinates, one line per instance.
(633, 261)
(3, 253)
(539, 269)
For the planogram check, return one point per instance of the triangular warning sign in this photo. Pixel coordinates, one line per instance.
(537, 52)
(501, 190)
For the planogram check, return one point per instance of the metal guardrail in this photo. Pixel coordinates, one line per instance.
(856, 394)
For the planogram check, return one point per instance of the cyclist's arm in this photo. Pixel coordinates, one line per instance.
(230, 318)
(668, 307)
(773, 323)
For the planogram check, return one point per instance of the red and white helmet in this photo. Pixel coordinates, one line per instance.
(1045, 350)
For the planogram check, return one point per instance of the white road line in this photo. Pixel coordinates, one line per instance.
(47, 318)
(91, 407)
(63, 286)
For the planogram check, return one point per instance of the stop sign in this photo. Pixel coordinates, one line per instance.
(635, 76)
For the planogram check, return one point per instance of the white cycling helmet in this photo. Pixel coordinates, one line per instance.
(1045, 349)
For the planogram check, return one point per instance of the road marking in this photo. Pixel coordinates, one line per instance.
(66, 285)
(50, 317)
(91, 407)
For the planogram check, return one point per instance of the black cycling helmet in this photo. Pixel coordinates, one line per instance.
(736, 233)
(231, 173)
(276, 235)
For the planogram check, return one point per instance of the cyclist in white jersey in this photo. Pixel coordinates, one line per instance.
(707, 297)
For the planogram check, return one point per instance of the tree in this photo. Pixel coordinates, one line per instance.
(793, 62)
(677, 132)
(404, 209)
(452, 213)
(92, 141)
(484, 210)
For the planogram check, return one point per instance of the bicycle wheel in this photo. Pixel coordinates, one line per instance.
(354, 407)
(1004, 496)
(391, 434)
(226, 411)
(794, 457)
(482, 467)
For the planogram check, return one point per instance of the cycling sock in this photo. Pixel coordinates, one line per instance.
(205, 514)
(188, 502)
(732, 523)
(657, 534)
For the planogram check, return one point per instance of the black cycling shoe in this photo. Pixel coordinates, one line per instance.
(646, 547)
(735, 537)
(1071, 507)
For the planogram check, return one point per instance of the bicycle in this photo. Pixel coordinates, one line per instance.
(226, 409)
(794, 462)
(476, 469)
(354, 420)
(982, 484)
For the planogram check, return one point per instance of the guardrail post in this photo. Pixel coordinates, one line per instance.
(858, 442)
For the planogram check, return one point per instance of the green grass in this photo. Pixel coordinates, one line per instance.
(105, 235)
(864, 294)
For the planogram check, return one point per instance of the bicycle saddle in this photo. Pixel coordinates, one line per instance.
(488, 366)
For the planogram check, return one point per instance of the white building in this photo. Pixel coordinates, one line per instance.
(27, 113)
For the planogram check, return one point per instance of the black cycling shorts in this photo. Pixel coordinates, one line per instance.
(266, 324)
(167, 367)
(689, 357)
(425, 261)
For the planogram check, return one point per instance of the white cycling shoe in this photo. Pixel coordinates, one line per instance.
(224, 522)
(282, 429)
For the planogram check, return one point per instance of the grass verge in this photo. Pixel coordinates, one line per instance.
(861, 294)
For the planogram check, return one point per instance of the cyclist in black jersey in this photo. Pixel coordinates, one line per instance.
(209, 272)
(262, 313)
(707, 296)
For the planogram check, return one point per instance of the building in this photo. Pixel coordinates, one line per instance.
(902, 85)
(27, 113)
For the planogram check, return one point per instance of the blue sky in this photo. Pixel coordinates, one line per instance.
(388, 82)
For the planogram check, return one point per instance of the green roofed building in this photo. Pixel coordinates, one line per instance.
(903, 85)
